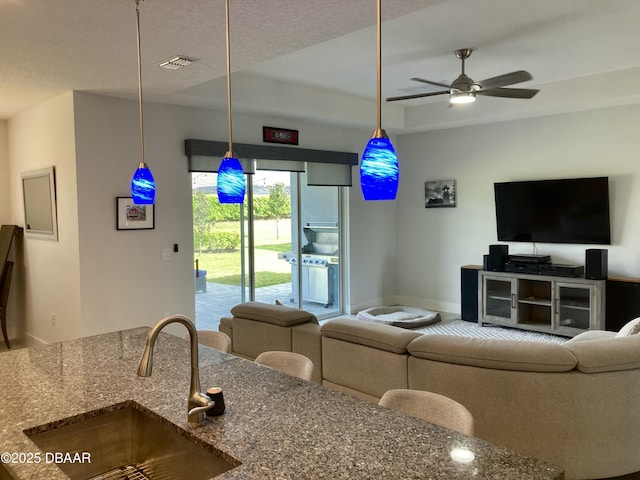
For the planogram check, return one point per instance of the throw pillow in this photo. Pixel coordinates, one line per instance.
(631, 328)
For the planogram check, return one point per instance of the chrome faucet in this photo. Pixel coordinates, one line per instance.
(198, 402)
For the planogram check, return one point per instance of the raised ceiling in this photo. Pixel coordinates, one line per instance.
(300, 59)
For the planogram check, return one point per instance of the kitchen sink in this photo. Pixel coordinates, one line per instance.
(4, 474)
(127, 441)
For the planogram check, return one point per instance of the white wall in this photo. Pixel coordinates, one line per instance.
(13, 320)
(5, 195)
(49, 279)
(124, 282)
(434, 243)
(98, 279)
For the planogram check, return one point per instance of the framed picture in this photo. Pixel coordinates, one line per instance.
(279, 135)
(440, 193)
(130, 216)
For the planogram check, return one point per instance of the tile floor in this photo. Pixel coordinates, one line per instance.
(15, 344)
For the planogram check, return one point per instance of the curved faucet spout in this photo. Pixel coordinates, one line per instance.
(198, 402)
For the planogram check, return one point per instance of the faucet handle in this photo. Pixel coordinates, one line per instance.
(197, 414)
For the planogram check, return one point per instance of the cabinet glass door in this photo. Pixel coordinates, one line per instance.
(498, 299)
(573, 306)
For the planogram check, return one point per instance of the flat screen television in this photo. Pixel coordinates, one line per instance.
(574, 210)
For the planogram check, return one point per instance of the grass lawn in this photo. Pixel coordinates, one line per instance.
(225, 268)
(263, 279)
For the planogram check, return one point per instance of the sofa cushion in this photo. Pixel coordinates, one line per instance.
(376, 335)
(251, 337)
(492, 353)
(226, 326)
(275, 314)
(630, 328)
(618, 353)
(592, 335)
(368, 370)
(306, 340)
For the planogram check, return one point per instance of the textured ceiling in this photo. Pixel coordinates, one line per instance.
(581, 53)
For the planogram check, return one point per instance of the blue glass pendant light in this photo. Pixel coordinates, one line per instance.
(143, 185)
(231, 182)
(231, 185)
(379, 170)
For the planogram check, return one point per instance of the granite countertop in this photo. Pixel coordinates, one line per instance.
(276, 426)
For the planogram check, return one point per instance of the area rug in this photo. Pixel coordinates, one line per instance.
(469, 329)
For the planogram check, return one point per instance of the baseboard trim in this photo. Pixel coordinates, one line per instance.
(33, 341)
(427, 304)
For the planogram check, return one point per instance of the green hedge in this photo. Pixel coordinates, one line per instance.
(224, 241)
(217, 242)
(207, 209)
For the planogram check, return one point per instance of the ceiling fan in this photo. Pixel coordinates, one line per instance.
(464, 90)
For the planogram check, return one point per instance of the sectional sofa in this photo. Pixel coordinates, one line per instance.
(573, 405)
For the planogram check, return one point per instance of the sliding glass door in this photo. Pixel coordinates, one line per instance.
(272, 235)
(220, 265)
(281, 245)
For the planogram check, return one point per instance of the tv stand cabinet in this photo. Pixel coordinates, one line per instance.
(558, 305)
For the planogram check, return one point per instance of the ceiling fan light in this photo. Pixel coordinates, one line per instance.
(231, 182)
(458, 98)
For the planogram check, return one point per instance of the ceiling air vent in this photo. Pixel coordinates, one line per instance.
(176, 62)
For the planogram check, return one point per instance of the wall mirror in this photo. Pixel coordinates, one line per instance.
(39, 194)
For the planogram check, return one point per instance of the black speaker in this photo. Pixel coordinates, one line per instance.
(622, 302)
(469, 293)
(498, 256)
(595, 264)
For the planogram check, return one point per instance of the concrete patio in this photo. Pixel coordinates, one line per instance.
(218, 300)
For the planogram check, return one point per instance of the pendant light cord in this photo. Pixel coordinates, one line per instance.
(379, 47)
(229, 81)
(140, 84)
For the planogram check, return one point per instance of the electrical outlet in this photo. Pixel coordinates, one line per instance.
(167, 254)
(53, 319)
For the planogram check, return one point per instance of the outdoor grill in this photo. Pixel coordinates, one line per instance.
(320, 260)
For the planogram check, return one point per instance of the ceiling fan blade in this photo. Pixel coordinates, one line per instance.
(437, 84)
(509, 92)
(506, 79)
(417, 95)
